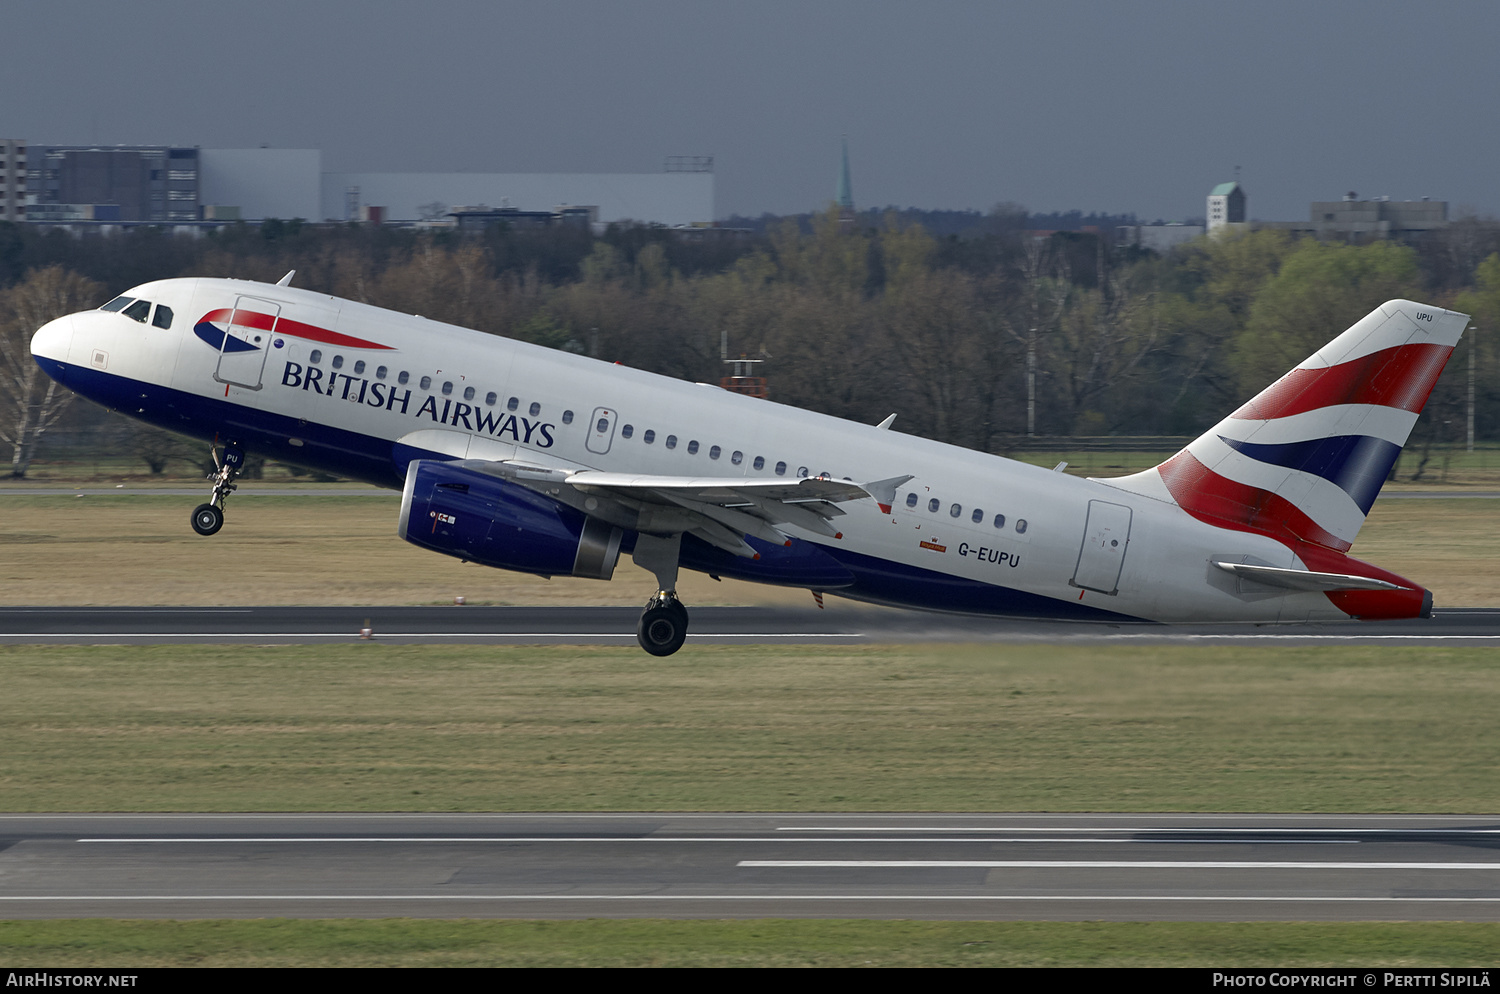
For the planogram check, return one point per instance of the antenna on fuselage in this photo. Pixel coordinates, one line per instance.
(287, 279)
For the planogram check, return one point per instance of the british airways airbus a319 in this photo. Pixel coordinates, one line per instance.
(524, 458)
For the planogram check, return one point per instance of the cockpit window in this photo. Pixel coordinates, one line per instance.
(163, 316)
(138, 311)
(116, 304)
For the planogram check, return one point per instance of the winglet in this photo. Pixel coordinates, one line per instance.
(886, 424)
(884, 491)
(287, 279)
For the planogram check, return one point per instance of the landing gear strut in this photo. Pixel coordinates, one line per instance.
(664, 624)
(209, 518)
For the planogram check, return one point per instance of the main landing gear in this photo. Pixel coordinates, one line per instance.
(209, 518)
(664, 624)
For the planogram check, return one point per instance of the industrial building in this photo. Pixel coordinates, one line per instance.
(1348, 220)
(92, 185)
(12, 179)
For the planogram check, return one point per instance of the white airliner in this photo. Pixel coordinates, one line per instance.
(529, 459)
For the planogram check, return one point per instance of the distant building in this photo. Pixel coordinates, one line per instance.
(1362, 221)
(481, 217)
(1347, 220)
(265, 182)
(1226, 205)
(193, 188)
(1157, 237)
(152, 184)
(12, 179)
(674, 198)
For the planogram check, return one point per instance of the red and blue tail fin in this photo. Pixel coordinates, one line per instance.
(1305, 458)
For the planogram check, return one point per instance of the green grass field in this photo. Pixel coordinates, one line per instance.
(372, 727)
(369, 726)
(138, 550)
(771, 943)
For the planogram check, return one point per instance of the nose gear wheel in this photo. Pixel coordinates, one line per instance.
(209, 518)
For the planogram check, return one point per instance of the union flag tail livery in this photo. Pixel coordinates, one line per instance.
(523, 458)
(1303, 460)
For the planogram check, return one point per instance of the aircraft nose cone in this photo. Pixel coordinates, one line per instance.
(53, 339)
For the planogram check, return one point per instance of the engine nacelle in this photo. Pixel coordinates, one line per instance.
(474, 516)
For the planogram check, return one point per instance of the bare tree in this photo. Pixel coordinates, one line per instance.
(30, 400)
(1045, 283)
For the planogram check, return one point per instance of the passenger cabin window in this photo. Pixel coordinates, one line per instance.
(117, 304)
(425, 383)
(999, 521)
(671, 441)
(359, 368)
(138, 311)
(760, 462)
(626, 431)
(380, 372)
(447, 387)
(802, 472)
(468, 393)
(933, 505)
(402, 377)
(535, 408)
(512, 404)
(713, 452)
(1020, 526)
(781, 469)
(490, 398)
(978, 516)
(163, 316)
(567, 417)
(603, 426)
(955, 510)
(338, 362)
(911, 500)
(737, 457)
(649, 436)
(693, 447)
(315, 356)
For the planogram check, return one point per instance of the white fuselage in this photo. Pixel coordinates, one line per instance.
(344, 406)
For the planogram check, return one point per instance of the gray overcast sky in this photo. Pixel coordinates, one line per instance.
(1110, 106)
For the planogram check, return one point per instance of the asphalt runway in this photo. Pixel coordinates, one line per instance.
(1003, 866)
(709, 626)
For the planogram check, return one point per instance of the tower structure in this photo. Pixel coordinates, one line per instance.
(1226, 206)
(842, 194)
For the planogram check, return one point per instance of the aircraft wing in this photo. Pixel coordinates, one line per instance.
(719, 510)
(1301, 579)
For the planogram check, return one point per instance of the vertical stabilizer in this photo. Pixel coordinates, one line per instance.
(1305, 458)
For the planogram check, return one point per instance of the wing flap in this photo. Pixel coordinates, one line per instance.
(720, 490)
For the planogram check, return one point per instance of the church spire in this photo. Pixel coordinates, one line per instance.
(842, 195)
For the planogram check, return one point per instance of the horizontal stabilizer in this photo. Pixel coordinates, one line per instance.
(1301, 579)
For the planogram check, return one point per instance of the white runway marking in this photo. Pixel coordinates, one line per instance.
(1143, 831)
(419, 635)
(1098, 864)
(778, 840)
(1072, 898)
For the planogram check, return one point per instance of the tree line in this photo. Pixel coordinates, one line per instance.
(978, 340)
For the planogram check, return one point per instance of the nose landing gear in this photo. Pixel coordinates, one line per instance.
(209, 518)
(664, 624)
